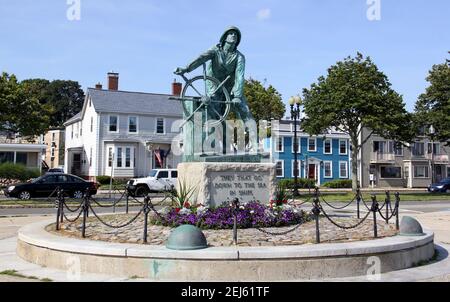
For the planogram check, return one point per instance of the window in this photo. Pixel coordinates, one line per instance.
(421, 172)
(52, 152)
(160, 126)
(76, 179)
(312, 145)
(280, 168)
(119, 157)
(298, 144)
(279, 146)
(63, 178)
(22, 158)
(174, 174)
(53, 137)
(92, 124)
(380, 147)
(342, 147)
(433, 148)
(418, 149)
(110, 157)
(298, 168)
(113, 121)
(128, 157)
(6, 157)
(163, 174)
(327, 147)
(328, 169)
(132, 124)
(49, 179)
(391, 172)
(398, 149)
(343, 169)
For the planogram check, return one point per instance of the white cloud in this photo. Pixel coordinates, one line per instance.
(264, 14)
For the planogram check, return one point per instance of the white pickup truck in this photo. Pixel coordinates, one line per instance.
(158, 180)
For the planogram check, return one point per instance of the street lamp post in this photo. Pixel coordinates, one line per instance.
(295, 103)
(432, 132)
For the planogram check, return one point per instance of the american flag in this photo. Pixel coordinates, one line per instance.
(159, 156)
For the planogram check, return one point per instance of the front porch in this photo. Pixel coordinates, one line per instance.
(29, 155)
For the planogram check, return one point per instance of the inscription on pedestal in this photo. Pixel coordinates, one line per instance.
(246, 186)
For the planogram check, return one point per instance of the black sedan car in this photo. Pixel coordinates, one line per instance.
(441, 187)
(44, 186)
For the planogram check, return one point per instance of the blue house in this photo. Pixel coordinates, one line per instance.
(323, 158)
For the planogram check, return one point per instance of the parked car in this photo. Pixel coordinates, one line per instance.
(441, 187)
(44, 186)
(158, 180)
(55, 170)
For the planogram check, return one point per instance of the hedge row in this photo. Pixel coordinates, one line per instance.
(105, 180)
(339, 184)
(18, 172)
(303, 183)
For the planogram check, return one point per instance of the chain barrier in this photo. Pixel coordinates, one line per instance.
(338, 208)
(384, 217)
(148, 206)
(342, 226)
(365, 204)
(116, 226)
(73, 220)
(281, 233)
(51, 195)
(72, 210)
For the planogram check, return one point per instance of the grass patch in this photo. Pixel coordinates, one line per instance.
(14, 273)
(135, 277)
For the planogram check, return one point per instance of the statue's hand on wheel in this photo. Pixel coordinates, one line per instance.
(236, 101)
(180, 71)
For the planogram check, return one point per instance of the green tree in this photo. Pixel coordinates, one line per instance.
(265, 103)
(20, 111)
(353, 95)
(64, 98)
(433, 106)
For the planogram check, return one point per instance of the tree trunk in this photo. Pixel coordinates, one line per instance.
(354, 165)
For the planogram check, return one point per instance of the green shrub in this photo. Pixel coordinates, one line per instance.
(104, 180)
(18, 171)
(338, 184)
(303, 183)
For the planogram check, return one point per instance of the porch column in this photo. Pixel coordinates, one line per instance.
(15, 157)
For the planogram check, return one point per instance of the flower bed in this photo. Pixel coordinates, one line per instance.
(249, 215)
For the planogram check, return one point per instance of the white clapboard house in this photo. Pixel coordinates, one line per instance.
(121, 133)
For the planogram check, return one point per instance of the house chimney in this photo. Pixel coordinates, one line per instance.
(176, 88)
(113, 81)
(98, 86)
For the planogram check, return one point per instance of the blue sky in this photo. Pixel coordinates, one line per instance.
(289, 43)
